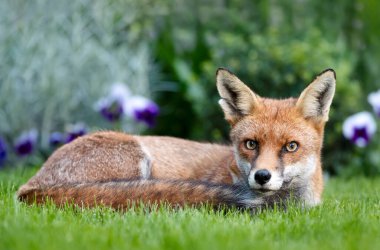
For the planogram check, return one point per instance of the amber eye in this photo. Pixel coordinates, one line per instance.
(251, 144)
(291, 146)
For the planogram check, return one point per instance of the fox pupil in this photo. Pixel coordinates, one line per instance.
(292, 146)
(251, 144)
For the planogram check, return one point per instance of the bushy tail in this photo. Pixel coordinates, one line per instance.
(124, 194)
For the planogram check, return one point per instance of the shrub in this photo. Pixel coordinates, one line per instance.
(57, 60)
(268, 47)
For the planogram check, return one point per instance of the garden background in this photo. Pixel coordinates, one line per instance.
(59, 61)
(148, 67)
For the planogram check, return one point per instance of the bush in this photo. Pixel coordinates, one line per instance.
(58, 59)
(266, 46)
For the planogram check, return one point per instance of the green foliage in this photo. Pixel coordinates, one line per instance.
(348, 219)
(58, 58)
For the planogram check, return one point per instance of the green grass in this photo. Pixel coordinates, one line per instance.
(348, 219)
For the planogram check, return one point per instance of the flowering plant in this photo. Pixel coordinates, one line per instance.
(360, 130)
(120, 102)
(50, 80)
(374, 100)
(3, 152)
(118, 105)
(361, 127)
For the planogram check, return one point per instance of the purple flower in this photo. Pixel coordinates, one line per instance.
(56, 138)
(3, 152)
(120, 102)
(359, 128)
(142, 110)
(75, 131)
(26, 142)
(112, 110)
(374, 100)
(111, 107)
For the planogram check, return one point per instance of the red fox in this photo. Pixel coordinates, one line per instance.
(275, 154)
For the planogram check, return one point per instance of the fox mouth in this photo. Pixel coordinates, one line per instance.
(264, 190)
(286, 183)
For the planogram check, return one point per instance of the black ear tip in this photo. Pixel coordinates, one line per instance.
(221, 69)
(328, 70)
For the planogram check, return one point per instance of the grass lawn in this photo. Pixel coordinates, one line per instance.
(348, 219)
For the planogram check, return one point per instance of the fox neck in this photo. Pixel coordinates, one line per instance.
(312, 195)
(310, 186)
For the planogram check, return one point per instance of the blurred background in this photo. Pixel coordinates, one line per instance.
(148, 67)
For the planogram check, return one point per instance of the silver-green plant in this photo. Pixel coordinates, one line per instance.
(59, 57)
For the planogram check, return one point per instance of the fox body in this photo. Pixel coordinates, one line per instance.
(275, 154)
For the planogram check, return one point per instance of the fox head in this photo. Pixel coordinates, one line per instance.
(277, 143)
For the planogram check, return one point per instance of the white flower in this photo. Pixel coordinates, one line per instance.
(359, 128)
(374, 100)
(119, 91)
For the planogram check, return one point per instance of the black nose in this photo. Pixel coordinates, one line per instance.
(262, 176)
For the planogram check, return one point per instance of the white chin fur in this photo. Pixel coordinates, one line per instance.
(274, 183)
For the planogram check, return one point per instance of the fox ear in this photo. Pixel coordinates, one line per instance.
(237, 100)
(315, 100)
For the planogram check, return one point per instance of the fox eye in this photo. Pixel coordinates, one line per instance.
(251, 144)
(291, 146)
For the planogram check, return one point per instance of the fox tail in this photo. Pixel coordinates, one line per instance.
(123, 194)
